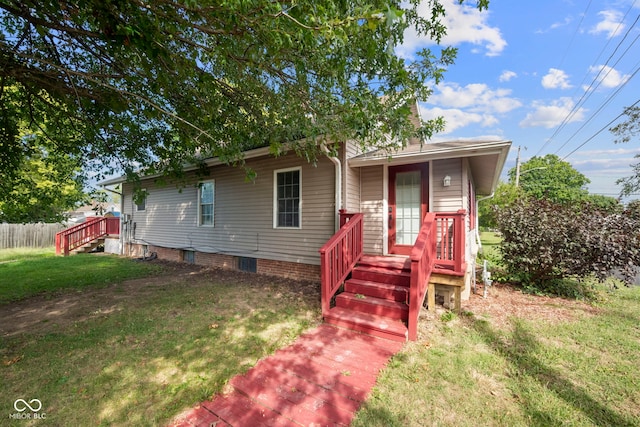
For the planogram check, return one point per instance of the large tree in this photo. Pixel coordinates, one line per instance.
(157, 84)
(628, 131)
(38, 182)
(551, 178)
(44, 187)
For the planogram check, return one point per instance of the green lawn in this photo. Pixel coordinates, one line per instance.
(26, 272)
(142, 352)
(469, 373)
(148, 350)
(490, 242)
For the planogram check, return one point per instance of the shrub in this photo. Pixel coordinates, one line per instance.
(544, 242)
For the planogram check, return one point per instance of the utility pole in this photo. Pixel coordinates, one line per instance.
(518, 168)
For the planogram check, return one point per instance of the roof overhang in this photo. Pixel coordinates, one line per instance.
(486, 158)
(212, 161)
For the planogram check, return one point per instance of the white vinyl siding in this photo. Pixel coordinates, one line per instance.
(287, 184)
(244, 213)
(351, 179)
(206, 203)
(371, 205)
(447, 199)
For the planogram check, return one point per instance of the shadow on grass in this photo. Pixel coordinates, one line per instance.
(520, 352)
(155, 354)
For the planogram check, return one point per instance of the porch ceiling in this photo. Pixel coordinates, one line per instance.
(486, 158)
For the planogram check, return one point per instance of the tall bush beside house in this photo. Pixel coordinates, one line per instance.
(544, 242)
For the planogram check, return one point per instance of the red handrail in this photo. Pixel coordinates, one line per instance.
(339, 255)
(94, 228)
(422, 258)
(450, 238)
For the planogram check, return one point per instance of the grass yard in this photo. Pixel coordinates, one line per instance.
(26, 272)
(140, 352)
(490, 242)
(468, 372)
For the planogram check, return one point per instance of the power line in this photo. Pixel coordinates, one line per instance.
(601, 129)
(604, 104)
(588, 92)
(564, 56)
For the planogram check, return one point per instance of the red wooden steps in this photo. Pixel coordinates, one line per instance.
(375, 298)
(373, 305)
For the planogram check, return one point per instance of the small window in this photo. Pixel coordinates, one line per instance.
(249, 265)
(141, 200)
(189, 257)
(287, 198)
(205, 203)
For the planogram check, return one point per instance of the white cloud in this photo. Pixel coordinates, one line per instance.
(474, 103)
(557, 25)
(612, 152)
(608, 77)
(465, 24)
(507, 75)
(552, 115)
(556, 79)
(477, 97)
(456, 118)
(610, 23)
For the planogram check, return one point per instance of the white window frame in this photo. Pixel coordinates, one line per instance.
(144, 201)
(275, 197)
(213, 203)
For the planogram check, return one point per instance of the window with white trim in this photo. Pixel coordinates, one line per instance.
(206, 197)
(287, 198)
(140, 200)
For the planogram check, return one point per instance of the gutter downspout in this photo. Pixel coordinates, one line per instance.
(338, 186)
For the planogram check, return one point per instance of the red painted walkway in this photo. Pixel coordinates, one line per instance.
(320, 380)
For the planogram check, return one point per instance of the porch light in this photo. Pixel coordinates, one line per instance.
(446, 181)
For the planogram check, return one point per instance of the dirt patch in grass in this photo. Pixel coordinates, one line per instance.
(504, 302)
(41, 314)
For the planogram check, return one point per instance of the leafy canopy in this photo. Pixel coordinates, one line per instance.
(38, 182)
(158, 84)
(551, 178)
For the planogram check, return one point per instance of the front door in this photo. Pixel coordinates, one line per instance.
(408, 204)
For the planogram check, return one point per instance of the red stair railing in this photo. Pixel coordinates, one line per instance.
(78, 235)
(422, 259)
(450, 238)
(339, 255)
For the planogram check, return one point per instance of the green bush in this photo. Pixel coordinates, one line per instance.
(545, 242)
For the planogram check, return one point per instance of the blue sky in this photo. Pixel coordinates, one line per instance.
(548, 75)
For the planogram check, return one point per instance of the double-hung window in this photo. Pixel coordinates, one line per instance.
(287, 198)
(141, 200)
(206, 198)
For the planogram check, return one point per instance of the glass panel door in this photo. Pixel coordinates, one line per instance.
(408, 207)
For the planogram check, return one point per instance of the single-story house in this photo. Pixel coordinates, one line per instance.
(279, 223)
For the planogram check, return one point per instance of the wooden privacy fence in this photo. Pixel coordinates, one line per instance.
(38, 235)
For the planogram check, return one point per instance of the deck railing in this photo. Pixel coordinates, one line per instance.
(450, 250)
(339, 255)
(423, 256)
(78, 235)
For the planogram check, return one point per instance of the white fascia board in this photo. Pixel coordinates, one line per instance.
(480, 149)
